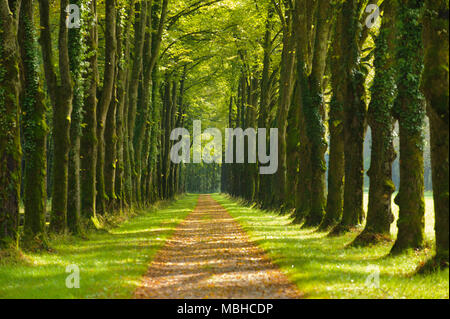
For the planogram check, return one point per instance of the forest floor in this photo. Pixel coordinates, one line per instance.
(111, 263)
(327, 267)
(217, 247)
(210, 256)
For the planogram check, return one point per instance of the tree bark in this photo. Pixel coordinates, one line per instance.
(286, 88)
(89, 137)
(135, 77)
(105, 100)
(335, 196)
(383, 92)
(435, 86)
(10, 149)
(313, 109)
(74, 189)
(35, 132)
(354, 120)
(61, 97)
(409, 110)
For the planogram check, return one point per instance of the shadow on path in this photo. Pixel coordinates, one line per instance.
(210, 256)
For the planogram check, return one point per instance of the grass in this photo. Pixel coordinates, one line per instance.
(323, 267)
(111, 264)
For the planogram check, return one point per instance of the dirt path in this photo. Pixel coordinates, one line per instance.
(210, 256)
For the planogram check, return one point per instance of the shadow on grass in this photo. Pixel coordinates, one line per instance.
(111, 264)
(324, 267)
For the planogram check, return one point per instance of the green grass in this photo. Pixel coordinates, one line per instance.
(323, 267)
(111, 264)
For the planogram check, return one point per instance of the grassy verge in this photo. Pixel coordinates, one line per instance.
(111, 264)
(323, 267)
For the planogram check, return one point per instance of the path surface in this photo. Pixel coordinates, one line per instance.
(210, 256)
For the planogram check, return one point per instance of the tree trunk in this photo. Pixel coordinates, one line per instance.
(10, 150)
(314, 111)
(89, 137)
(105, 100)
(34, 133)
(379, 214)
(353, 80)
(264, 100)
(135, 77)
(435, 86)
(410, 112)
(286, 87)
(122, 85)
(335, 197)
(61, 96)
(74, 191)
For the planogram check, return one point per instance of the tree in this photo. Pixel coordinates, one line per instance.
(410, 111)
(74, 188)
(354, 109)
(60, 93)
(123, 48)
(383, 91)
(313, 108)
(35, 131)
(89, 131)
(285, 93)
(266, 86)
(135, 77)
(335, 196)
(10, 150)
(105, 100)
(435, 86)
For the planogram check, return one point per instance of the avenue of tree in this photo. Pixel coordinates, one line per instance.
(86, 113)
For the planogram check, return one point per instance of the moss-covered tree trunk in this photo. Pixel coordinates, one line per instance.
(286, 88)
(410, 111)
(383, 92)
(301, 35)
(74, 189)
(353, 79)
(155, 133)
(252, 168)
(34, 133)
(105, 100)
(89, 137)
(135, 78)
(110, 138)
(335, 196)
(10, 150)
(264, 101)
(156, 18)
(435, 86)
(313, 109)
(292, 148)
(60, 91)
(112, 132)
(122, 85)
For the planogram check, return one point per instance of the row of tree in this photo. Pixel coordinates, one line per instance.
(340, 70)
(92, 121)
(88, 111)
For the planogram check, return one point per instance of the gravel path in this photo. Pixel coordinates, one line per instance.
(210, 256)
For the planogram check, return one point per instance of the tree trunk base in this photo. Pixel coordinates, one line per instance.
(398, 249)
(340, 230)
(37, 244)
(327, 225)
(369, 239)
(432, 265)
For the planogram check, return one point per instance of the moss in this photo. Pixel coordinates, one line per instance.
(410, 112)
(10, 148)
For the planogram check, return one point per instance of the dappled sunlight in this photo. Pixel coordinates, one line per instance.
(209, 256)
(325, 267)
(110, 263)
